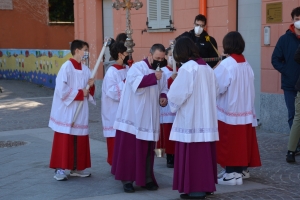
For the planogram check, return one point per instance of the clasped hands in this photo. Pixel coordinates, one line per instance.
(163, 101)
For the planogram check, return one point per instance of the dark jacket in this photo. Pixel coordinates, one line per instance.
(205, 48)
(297, 59)
(297, 55)
(283, 59)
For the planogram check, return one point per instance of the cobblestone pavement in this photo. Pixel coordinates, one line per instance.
(26, 106)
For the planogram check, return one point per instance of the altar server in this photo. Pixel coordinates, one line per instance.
(192, 96)
(71, 148)
(112, 87)
(237, 148)
(166, 116)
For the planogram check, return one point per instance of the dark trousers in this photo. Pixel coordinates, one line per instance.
(236, 169)
(289, 97)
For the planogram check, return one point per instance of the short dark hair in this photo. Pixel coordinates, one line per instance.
(121, 37)
(167, 50)
(78, 44)
(200, 18)
(295, 12)
(185, 49)
(159, 47)
(233, 42)
(116, 48)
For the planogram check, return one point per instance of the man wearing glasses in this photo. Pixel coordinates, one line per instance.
(207, 45)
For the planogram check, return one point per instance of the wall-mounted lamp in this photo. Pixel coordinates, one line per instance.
(267, 36)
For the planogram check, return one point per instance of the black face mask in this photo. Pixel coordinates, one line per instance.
(125, 60)
(160, 64)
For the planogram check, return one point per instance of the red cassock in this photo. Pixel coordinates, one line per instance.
(164, 141)
(110, 141)
(165, 129)
(237, 145)
(66, 153)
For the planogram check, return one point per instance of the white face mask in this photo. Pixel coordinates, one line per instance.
(198, 30)
(170, 60)
(297, 24)
(85, 55)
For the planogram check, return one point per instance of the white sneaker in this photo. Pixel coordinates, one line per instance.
(60, 175)
(227, 179)
(246, 174)
(80, 173)
(221, 174)
(238, 178)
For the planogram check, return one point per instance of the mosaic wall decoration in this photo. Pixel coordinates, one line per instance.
(34, 65)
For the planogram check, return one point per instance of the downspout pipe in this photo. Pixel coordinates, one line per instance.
(202, 7)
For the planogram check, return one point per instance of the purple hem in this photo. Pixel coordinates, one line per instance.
(129, 159)
(195, 167)
(148, 80)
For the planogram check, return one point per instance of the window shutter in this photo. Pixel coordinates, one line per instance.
(159, 12)
(165, 13)
(152, 13)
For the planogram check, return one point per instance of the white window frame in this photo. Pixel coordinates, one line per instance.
(156, 20)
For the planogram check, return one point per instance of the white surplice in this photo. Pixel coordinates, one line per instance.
(166, 116)
(138, 111)
(68, 82)
(235, 101)
(112, 87)
(193, 95)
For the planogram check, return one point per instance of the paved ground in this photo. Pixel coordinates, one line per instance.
(24, 114)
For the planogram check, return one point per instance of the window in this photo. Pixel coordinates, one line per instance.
(159, 14)
(61, 11)
(6, 5)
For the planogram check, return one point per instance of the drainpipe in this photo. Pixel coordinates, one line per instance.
(202, 7)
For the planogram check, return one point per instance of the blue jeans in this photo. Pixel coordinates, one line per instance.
(289, 97)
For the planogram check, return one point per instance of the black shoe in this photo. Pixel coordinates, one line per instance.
(150, 186)
(186, 196)
(128, 188)
(209, 193)
(297, 152)
(290, 157)
(170, 160)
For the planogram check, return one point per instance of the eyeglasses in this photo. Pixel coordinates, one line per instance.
(201, 25)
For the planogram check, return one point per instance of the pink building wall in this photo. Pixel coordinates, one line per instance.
(89, 23)
(270, 78)
(88, 27)
(221, 19)
(184, 12)
(26, 27)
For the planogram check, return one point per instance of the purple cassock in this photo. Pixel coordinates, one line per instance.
(130, 154)
(129, 160)
(195, 166)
